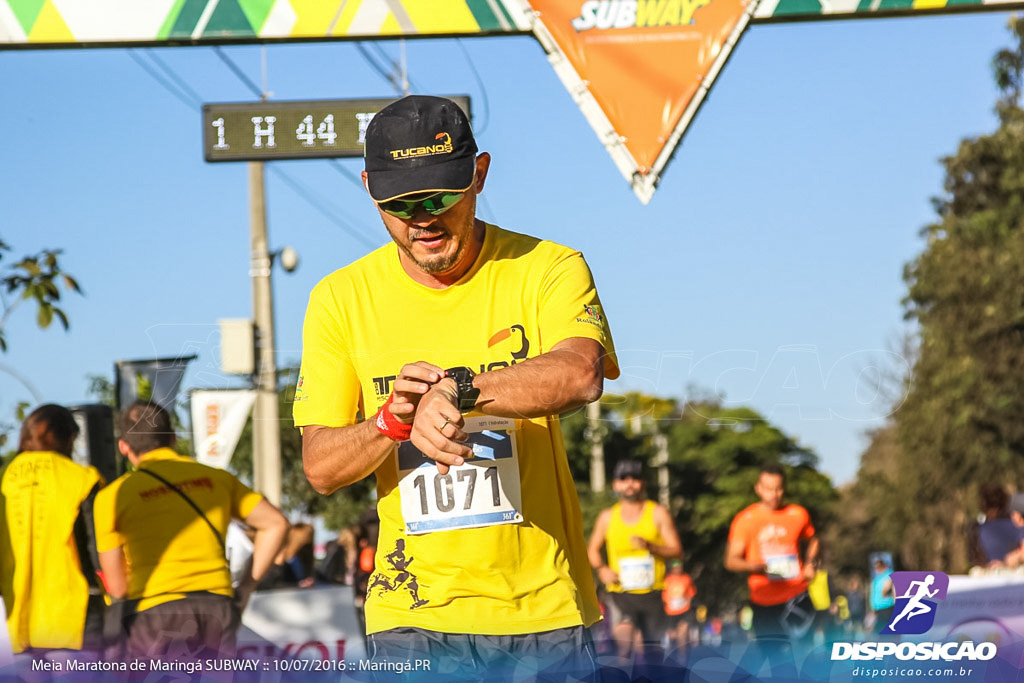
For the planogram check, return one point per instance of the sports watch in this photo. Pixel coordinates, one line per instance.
(467, 393)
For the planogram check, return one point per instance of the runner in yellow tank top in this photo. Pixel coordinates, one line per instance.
(637, 535)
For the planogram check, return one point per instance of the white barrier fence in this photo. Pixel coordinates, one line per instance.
(308, 623)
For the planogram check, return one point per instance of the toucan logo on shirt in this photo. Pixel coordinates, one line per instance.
(516, 334)
(444, 147)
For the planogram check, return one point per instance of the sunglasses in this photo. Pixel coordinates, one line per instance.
(435, 204)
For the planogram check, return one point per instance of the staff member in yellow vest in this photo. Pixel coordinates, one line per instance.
(47, 572)
(637, 535)
(160, 534)
(439, 363)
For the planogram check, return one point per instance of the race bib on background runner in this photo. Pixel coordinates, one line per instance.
(782, 567)
(483, 491)
(636, 573)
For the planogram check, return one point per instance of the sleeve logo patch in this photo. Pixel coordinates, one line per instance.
(592, 316)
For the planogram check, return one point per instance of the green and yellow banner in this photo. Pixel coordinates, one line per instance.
(37, 23)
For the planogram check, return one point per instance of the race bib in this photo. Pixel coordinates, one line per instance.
(678, 603)
(636, 573)
(483, 491)
(782, 567)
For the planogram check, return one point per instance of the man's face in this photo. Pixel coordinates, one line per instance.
(769, 488)
(629, 488)
(438, 245)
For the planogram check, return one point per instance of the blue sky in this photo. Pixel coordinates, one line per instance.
(767, 267)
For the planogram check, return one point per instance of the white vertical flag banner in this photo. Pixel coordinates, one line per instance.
(218, 418)
(155, 379)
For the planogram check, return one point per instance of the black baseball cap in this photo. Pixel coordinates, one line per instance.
(629, 469)
(419, 144)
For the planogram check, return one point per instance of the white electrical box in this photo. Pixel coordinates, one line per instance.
(237, 346)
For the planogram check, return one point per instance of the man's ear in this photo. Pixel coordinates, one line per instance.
(366, 182)
(123, 447)
(483, 164)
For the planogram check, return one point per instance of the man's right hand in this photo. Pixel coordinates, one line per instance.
(607, 576)
(437, 427)
(413, 381)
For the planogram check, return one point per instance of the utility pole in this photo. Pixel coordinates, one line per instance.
(661, 461)
(266, 436)
(596, 435)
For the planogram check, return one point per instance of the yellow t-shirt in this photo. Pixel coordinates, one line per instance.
(639, 570)
(169, 548)
(495, 547)
(41, 577)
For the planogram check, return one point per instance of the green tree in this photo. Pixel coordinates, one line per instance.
(715, 454)
(20, 413)
(867, 523)
(963, 420)
(33, 278)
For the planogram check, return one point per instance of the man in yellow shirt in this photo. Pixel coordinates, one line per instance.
(439, 363)
(160, 535)
(637, 535)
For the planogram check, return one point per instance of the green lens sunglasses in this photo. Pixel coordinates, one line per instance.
(435, 204)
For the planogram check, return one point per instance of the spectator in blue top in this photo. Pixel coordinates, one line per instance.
(883, 597)
(1015, 557)
(997, 534)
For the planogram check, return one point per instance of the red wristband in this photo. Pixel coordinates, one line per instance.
(389, 425)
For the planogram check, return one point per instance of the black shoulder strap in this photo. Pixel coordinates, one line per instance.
(220, 539)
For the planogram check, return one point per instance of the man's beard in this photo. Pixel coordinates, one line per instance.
(633, 497)
(438, 264)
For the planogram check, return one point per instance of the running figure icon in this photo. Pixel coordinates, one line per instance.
(399, 563)
(916, 592)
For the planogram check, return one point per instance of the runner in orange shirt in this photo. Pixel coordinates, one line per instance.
(774, 544)
(677, 594)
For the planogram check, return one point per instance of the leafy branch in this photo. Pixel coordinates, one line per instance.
(34, 278)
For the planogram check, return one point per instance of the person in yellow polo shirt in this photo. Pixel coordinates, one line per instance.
(47, 573)
(637, 535)
(160, 535)
(439, 363)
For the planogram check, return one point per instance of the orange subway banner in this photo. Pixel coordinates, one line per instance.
(645, 63)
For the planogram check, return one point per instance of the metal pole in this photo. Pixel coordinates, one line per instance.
(596, 447)
(661, 444)
(266, 439)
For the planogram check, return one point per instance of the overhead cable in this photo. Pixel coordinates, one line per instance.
(483, 90)
(168, 86)
(192, 100)
(354, 177)
(237, 71)
(318, 204)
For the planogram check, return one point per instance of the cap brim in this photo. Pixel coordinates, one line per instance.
(454, 175)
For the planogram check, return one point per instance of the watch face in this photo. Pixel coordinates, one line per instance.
(460, 374)
(463, 377)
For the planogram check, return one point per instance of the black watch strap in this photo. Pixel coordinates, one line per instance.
(467, 393)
